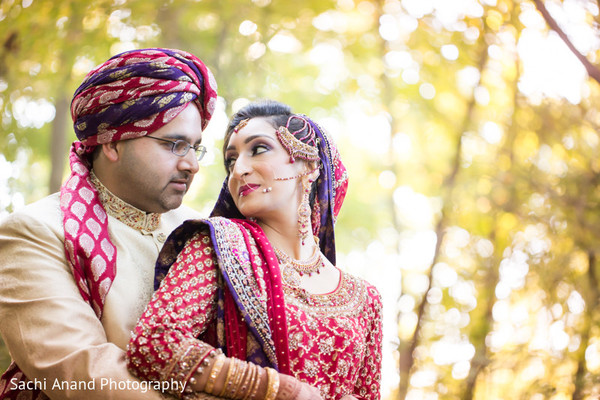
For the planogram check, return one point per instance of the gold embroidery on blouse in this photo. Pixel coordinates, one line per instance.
(348, 299)
(125, 212)
(335, 336)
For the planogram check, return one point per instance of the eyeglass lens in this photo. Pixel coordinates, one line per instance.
(180, 147)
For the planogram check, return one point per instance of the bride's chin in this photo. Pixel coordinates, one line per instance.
(248, 214)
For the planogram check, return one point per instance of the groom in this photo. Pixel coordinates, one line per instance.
(77, 267)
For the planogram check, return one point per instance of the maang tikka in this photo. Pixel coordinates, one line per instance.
(240, 125)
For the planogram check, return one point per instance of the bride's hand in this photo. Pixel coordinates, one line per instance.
(291, 388)
(308, 392)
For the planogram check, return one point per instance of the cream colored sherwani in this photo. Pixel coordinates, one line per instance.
(51, 332)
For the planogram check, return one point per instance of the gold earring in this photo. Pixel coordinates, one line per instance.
(304, 210)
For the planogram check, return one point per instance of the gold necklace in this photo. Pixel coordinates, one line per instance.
(293, 270)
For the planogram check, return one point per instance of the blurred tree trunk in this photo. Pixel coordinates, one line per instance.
(168, 20)
(481, 360)
(592, 303)
(58, 142)
(387, 98)
(447, 190)
(407, 351)
(223, 66)
(480, 329)
(58, 136)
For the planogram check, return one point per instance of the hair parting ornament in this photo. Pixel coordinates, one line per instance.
(242, 124)
(304, 147)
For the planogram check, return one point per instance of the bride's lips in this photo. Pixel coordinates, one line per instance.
(247, 189)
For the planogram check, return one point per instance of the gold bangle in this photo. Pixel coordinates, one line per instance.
(228, 377)
(273, 384)
(238, 379)
(190, 379)
(232, 381)
(216, 368)
(245, 381)
(254, 383)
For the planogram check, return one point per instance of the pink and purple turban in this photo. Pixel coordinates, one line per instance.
(136, 92)
(129, 96)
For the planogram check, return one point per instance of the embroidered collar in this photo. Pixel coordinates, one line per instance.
(125, 212)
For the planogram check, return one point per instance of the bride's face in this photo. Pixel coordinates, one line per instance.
(254, 157)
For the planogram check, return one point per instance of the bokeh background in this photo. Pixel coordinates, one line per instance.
(469, 129)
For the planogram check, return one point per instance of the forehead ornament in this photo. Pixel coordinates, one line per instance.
(242, 124)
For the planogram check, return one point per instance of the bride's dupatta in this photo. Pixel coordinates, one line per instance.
(251, 299)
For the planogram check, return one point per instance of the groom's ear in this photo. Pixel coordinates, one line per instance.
(111, 150)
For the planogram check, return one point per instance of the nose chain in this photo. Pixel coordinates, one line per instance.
(299, 175)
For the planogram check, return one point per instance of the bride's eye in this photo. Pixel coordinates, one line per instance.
(229, 163)
(259, 149)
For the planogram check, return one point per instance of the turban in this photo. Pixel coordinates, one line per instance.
(129, 96)
(136, 92)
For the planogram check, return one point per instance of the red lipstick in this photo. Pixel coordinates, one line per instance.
(247, 189)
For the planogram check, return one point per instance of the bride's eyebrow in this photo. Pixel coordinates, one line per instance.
(249, 139)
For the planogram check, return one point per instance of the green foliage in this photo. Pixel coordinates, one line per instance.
(439, 139)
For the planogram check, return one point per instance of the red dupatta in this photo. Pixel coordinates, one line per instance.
(253, 299)
(275, 296)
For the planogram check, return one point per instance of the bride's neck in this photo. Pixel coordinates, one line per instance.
(289, 241)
